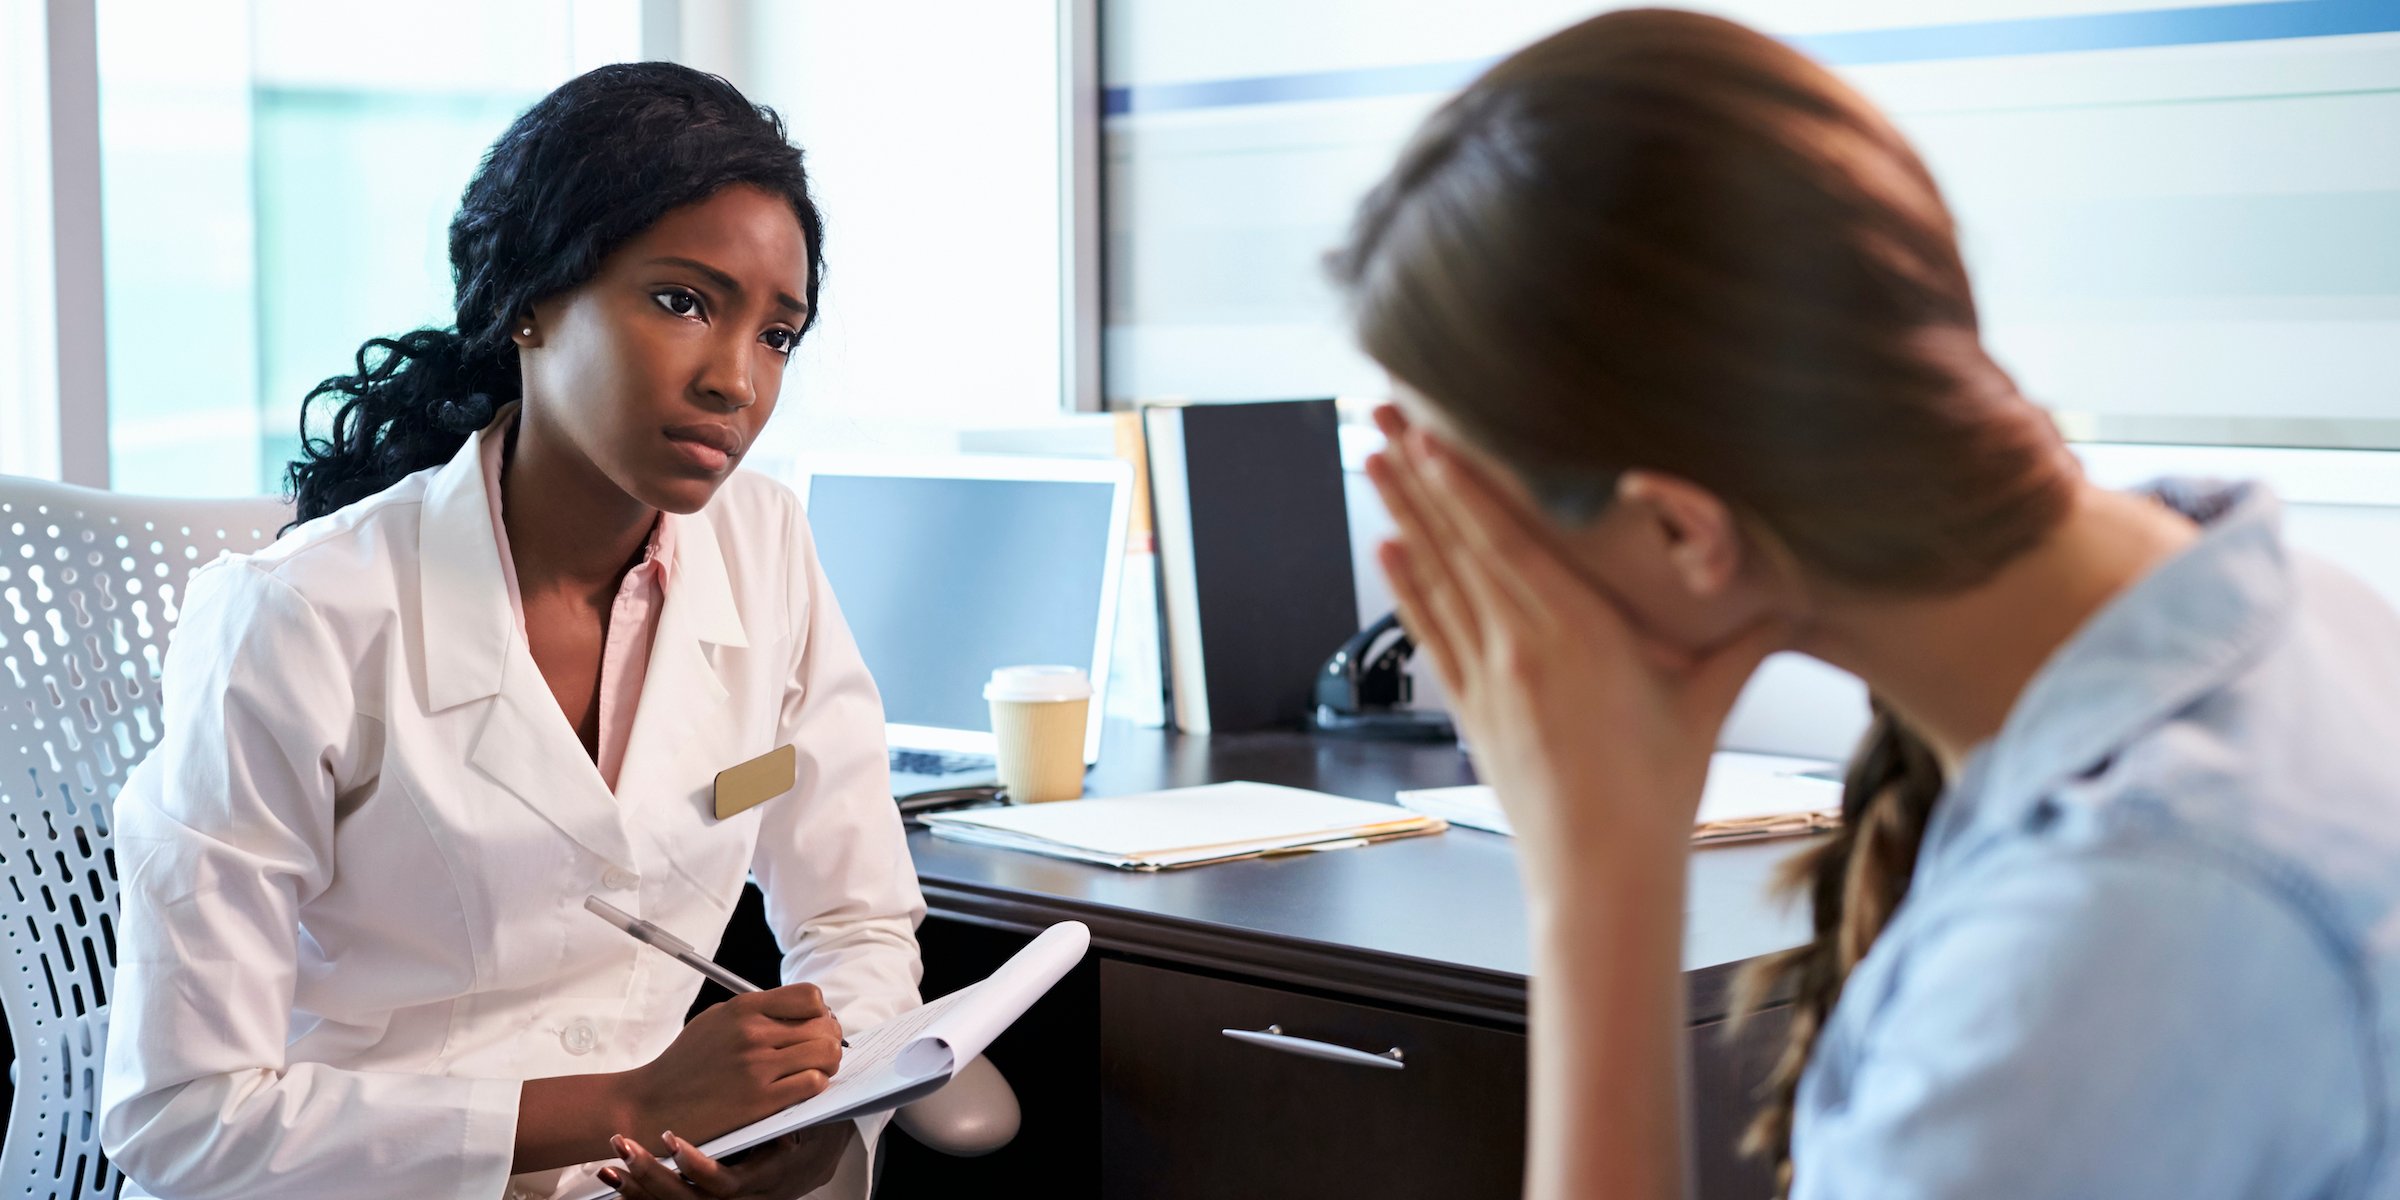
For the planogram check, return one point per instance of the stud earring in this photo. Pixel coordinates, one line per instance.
(527, 331)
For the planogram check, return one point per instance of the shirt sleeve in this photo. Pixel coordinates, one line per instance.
(841, 890)
(222, 835)
(2157, 1024)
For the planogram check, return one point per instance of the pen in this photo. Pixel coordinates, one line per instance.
(676, 948)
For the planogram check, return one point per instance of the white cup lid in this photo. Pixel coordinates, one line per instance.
(1038, 684)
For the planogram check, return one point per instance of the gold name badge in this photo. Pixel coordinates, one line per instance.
(755, 782)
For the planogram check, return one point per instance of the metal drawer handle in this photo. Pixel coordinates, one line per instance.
(1274, 1038)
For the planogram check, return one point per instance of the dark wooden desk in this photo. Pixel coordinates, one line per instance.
(1128, 1089)
(1432, 923)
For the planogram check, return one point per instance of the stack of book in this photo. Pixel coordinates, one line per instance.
(1254, 573)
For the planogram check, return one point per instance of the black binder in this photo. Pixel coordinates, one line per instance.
(1255, 586)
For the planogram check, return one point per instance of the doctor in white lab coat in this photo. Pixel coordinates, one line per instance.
(354, 957)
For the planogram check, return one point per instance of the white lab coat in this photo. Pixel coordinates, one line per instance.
(354, 868)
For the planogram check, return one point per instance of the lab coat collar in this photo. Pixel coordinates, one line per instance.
(469, 627)
(677, 737)
(474, 651)
(698, 578)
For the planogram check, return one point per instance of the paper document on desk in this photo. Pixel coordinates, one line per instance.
(1767, 795)
(912, 1055)
(1184, 827)
(1748, 797)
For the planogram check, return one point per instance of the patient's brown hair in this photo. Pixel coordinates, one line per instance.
(1661, 240)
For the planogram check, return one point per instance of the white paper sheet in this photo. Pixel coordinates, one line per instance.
(1744, 787)
(1181, 827)
(1748, 795)
(914, 1054)
(1474, 806)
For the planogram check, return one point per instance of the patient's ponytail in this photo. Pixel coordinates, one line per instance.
(1854, 882)
(583, 171)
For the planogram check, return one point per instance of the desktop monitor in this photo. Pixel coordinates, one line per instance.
(948, 567)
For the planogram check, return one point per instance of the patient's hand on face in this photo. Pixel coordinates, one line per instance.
(1587, 726)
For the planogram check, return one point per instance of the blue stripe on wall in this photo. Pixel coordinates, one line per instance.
(2195, 26)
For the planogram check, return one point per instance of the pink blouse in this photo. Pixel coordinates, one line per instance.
(632, 617)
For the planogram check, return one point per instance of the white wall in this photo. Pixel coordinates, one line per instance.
(932, 134)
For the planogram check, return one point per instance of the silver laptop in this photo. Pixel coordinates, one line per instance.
(949, 567)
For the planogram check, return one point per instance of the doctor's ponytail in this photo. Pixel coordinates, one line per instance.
(586, 169)
(410, 404)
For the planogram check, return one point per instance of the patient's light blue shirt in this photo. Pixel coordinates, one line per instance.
(2152, 946)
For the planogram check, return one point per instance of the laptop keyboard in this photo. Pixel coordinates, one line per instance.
(938, 762)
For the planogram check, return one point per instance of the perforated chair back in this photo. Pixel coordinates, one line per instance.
(90, 582)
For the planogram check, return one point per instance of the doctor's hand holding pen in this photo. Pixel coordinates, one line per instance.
(755, 1054)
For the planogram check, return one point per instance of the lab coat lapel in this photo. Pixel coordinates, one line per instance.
(526, 746)
(475, 654)
(681, 734)
(469, 631)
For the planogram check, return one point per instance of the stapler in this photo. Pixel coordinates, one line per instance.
(1365, 685)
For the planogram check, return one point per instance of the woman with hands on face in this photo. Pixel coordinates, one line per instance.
(529, 612)
(1687, 372)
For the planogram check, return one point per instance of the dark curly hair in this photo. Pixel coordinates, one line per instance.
(586, 169)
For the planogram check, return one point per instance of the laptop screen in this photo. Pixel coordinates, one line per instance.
(943, 579)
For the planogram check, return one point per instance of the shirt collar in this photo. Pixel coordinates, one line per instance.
(2177, 634)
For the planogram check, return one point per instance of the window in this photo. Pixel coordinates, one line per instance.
(933, 138)
(28, 333)
(2183, 219)
(278, 178)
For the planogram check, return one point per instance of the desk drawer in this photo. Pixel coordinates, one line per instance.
(1189, 1111)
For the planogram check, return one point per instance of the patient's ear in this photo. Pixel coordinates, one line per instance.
(1701, 539)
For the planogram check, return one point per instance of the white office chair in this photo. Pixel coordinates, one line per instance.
(90, 583)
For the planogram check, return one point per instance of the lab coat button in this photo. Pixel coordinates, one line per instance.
(579, 1037)
(617, 879)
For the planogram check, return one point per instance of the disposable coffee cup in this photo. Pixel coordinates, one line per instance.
(1038, 717)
